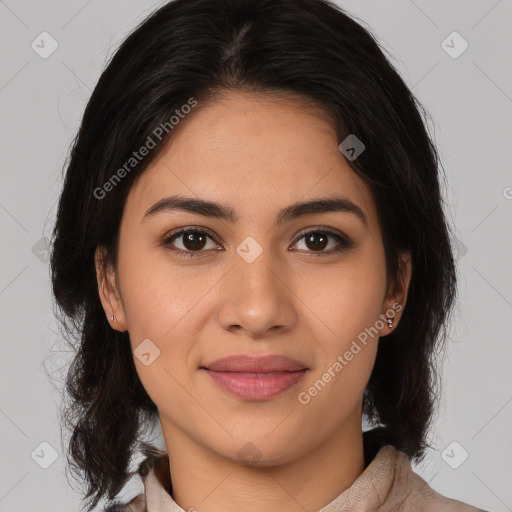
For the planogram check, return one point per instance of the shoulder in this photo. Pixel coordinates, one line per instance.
(411, 492)
(156, 461)
(137, 504)
(406, 490)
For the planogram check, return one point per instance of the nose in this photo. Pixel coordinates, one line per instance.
(257, 298)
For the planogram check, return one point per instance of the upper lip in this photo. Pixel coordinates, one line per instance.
(255, 364)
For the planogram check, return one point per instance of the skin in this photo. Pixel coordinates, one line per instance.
(258, 154)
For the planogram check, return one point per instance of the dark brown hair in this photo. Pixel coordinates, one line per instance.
(196, 49)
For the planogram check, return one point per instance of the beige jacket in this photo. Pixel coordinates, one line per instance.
(388, 484)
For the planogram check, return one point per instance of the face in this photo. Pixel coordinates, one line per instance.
(307, 285)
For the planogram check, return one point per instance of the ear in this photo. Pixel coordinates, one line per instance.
(396, 296)
(108, 290)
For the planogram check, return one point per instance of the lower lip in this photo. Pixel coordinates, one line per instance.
(256, 386)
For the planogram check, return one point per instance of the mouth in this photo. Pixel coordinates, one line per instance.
(255, 378)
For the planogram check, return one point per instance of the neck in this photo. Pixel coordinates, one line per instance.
(207, 481)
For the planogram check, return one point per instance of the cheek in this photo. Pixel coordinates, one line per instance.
(348, 298)
(334, 394)
(349, 307)
(157, 295)
(165, 303)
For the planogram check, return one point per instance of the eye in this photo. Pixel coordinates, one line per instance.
(318, 239)
(193, 241)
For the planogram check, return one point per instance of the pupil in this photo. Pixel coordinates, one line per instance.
(311, 238)
(190, 242)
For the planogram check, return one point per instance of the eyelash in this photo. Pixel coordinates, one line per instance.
(345, 242)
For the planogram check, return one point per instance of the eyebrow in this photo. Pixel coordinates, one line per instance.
(215, 210)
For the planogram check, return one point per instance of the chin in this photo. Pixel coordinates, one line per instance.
(260, 451)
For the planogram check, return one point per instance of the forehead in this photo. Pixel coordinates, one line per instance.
(253, 152)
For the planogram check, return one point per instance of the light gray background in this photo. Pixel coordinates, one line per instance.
(470, 101)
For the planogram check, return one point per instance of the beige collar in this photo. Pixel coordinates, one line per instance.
(388, 484)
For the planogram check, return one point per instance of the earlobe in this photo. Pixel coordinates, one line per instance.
(107, 289)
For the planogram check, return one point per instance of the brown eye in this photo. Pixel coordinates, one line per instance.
(192, 241)
(317, 240)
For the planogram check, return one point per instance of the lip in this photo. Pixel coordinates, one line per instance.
(256, 378)
(255, 364)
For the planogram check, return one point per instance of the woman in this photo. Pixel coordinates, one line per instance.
(251, 244)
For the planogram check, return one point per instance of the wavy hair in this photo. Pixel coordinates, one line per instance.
(310, 49)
